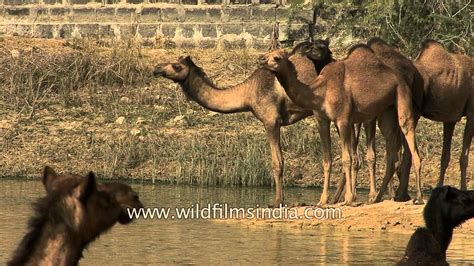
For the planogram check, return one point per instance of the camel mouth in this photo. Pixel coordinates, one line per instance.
(129, 213)
(158, 73)
(315, 55)
(262, 61)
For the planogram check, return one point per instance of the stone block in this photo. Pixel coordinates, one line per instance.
(196, 14)
(88, 30)
(106, 14)
(172, 14)
(52, 2)
(150, 14)
(17, 11)
(231, 29)
(135, 1)
(185, 30)
(263, 13)
(59, 11)
(168, 30)
(106, 31)
(19, 2)
(66, 31)
(235, 14)
(147, 31)
(44, 31)
(208, 30)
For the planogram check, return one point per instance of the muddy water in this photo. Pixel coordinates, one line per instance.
(198, 241)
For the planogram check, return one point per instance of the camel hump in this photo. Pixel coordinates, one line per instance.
(433, 50)
(359, 48)
(376, 41)
(426, 44)
(361, 54)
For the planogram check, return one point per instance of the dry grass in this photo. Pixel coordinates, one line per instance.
(78, 90)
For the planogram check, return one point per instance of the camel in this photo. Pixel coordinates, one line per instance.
(448, 96)
(441, 92)
(446, 209)
(74, 212)
(260, 94)
(388, 122)
(356, 89)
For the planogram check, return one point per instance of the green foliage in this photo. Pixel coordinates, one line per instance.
(407, 23)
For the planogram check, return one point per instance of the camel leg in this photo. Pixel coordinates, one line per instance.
(406, 120)
(273, 132)
(325, 136)
(404, 175)
(355, 165)
(391, 134)
(448, 129)
(466, 144)
(346, 134)
(370, 156)
(405, 166)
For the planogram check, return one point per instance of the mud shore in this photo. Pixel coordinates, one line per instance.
(388, 216)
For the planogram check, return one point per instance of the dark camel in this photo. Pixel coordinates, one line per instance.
(356, 89)
(446, 209)
(74, 212)
(260, 94)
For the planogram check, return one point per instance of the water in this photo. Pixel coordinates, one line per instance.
(202, 242)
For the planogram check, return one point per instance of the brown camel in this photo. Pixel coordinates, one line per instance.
(441, 92)
(446, 209)
(356, 89)
(388, 122)
(448, 96)
(260, 94)
(74, 212)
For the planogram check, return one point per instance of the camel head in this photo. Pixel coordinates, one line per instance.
(98, 205)
(125, 196)
(176, 71)
(449, 206)
(318, 50)
(274, 60)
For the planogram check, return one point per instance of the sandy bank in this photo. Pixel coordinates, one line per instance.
(390, 216)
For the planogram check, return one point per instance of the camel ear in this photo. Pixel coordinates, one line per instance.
(86, 188)
(49, 175)
(326, 41)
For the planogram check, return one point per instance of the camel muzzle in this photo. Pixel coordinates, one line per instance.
(158, 72)
(262, 60)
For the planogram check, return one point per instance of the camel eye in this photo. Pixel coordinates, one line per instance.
(177, 67)
(277, 58)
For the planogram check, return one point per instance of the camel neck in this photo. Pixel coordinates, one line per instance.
(300, 93)
(227, 100)
(320, 64)
(55, 247)
(443, 233)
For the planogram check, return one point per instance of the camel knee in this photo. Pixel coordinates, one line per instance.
(327, 164)
(346, 162)
(370, 157)
(355, 163)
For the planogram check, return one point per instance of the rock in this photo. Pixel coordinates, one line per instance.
(135, 132)
(159, 108)
(140, 120)
(15, 53)
(178, 120)
(211, 113)
(125, 100)
(120, 120)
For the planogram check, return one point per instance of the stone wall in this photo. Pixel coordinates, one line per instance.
(234, 23)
